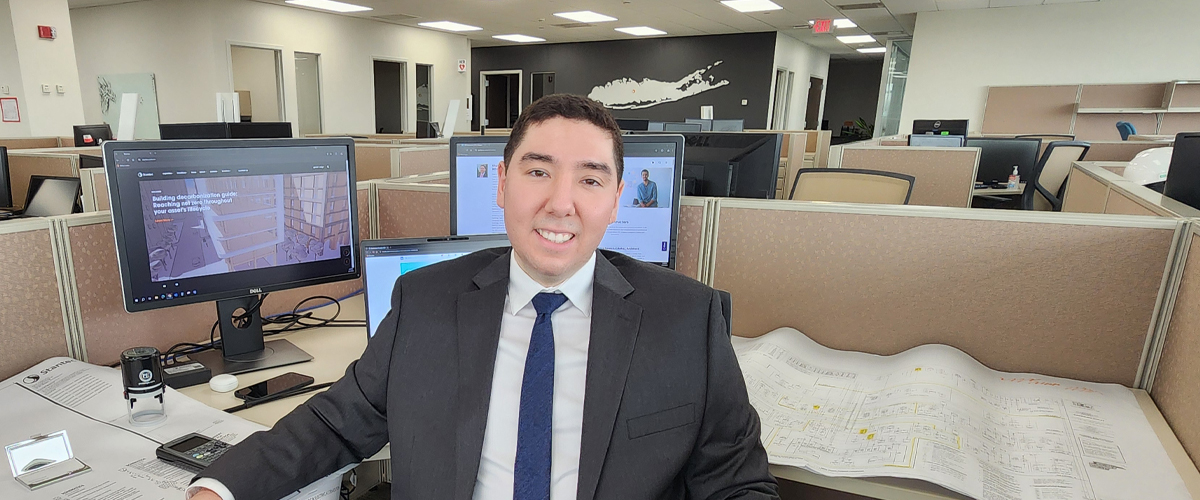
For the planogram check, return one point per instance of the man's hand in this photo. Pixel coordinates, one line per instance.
(205, 494)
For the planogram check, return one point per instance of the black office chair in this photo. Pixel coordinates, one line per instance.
(1044, 190)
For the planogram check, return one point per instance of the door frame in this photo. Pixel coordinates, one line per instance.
(772, 119)
(410, 91)
(432, 117)
(320, 88)
(483, 91)
(820, 100)
(280, 81)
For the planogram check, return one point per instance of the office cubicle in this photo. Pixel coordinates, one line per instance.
(379, 161)
(15, 143)
(412, 210)
(1095, 187)
(33, 314)
(945, 177)
(1174, 380)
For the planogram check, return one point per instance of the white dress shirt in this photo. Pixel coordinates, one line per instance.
(572, 333)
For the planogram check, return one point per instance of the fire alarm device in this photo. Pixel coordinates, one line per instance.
(47, 32)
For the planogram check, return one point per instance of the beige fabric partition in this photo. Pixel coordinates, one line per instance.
(1103, 126)
(1030, 110)
(31, 142)
(788, 166)
(1119, 150)
(34, 326)
(1176, 383)
(1093, 187)
(413, 210)
(1069, 296)
(692, 232)
(945, 177)
(367, 229)
(103, 325)
(22, 165)
(374, 161)
(94, 184)
(422, 160)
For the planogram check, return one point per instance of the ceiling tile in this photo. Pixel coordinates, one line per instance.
(1013, 3)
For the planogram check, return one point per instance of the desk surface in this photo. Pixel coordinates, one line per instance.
(999, 191)
(334, 348)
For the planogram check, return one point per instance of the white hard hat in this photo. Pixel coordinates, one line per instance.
(1149, 166)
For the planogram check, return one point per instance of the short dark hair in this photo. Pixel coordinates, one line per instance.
(571, 107)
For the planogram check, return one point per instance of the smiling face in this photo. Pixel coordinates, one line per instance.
(646, 177)
(559, 194)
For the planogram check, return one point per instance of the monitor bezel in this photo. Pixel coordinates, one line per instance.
(676, 192)
(110, 149)
(443, 244)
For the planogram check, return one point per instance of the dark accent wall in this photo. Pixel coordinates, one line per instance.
(853, 91)
(747, 62)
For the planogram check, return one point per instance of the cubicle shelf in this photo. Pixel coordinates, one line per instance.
(1184, 110)
(1119, 111)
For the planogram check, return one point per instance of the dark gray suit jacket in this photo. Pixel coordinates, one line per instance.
(665, 414)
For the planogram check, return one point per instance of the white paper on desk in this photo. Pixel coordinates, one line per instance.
(87, 400)
(934, 413)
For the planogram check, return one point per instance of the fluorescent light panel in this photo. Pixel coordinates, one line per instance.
(586, 16)
(450, 26)
(751, 5)
(844, 23)
(329, 5)
(849, 39)
(641, 31)
(873, 50)
(519, 38)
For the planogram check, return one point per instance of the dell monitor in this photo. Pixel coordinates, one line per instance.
(644, 231)
(384, 261)
(1183, 174)
(998, 156)
(739, 165)
(940, 127)
(260, 130)
(5, 186)
(176, 131)
(227, 221)
(936, 141)
(91, 135)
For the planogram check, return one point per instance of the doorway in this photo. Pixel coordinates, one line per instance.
(308, 93)
(783, 99)
(425, 101)
(500, 98)
(389, 96)
(542, 84)
(812, 113)
(258, 80)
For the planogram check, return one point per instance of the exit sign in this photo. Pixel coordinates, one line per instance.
(822, 26)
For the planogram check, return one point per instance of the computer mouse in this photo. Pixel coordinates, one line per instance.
(223, 383)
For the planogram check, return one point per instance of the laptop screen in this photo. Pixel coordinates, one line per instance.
(384, 261)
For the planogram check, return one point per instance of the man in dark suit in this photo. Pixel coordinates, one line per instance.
(551, 370)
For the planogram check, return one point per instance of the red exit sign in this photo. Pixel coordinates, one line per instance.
(822, 26)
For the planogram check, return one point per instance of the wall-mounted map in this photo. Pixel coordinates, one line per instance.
(627, 93)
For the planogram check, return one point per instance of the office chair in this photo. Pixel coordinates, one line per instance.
(1046, 139)
(1045, 189)
(851, 185)
(1126, 129)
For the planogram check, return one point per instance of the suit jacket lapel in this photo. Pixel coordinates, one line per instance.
(615, 323)
(479, 315)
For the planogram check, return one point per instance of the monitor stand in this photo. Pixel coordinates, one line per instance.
(243, 349)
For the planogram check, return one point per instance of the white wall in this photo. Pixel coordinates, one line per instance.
(47, 62)
(10, 75)
(957, 54)
(254, 71)
(186, 45)
(806, 61)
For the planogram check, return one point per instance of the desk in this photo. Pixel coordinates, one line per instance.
(1004, 191)
(334, 348)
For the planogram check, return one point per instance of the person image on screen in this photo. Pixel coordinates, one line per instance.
(482, 171)
(647, 192)
(550, 370)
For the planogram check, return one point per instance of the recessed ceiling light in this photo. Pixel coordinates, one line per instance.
(849, 39)
(873, 50)
(751, 5)
(844, 23)
(519, 38)
(450, 26)
(586, 16)
(329, 5)
(641, 31)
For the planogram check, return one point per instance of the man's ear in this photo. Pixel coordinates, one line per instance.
(617, 201)
(501, 175)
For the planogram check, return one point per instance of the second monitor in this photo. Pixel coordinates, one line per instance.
(648, 217)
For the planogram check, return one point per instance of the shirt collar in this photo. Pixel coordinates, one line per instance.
(578, 288)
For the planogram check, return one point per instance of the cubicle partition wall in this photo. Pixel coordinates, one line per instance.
(1071, 296)
(23, 164)
(1093, 187)
(1174, 381)
(13, 143)
(94, 189)
(412, 210)
(375, 161)
(34, 323)
(1120, 150)
(789, 163)
(693, 230)
(422, 160)
(945, 177)
(367, 227)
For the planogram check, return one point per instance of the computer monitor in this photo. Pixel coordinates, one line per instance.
(728, 125)
(5, 185)
(633, 125)
(49, 196)
(91, 161)
(940, 127)
(739, 165)
(706, 125)
(260, 130)
(91, 135)
(230, 220)
(936, 141)
(655, 127)
(386, 260)
(681, 127)
(1183, 175)
(998, 156)
(644, 233)
(176, 131)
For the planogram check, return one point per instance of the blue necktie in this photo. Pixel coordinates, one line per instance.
(531, 472)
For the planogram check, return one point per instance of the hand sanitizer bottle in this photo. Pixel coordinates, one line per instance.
(1014, 180)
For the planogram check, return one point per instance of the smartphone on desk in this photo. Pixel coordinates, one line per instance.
(274, 387)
